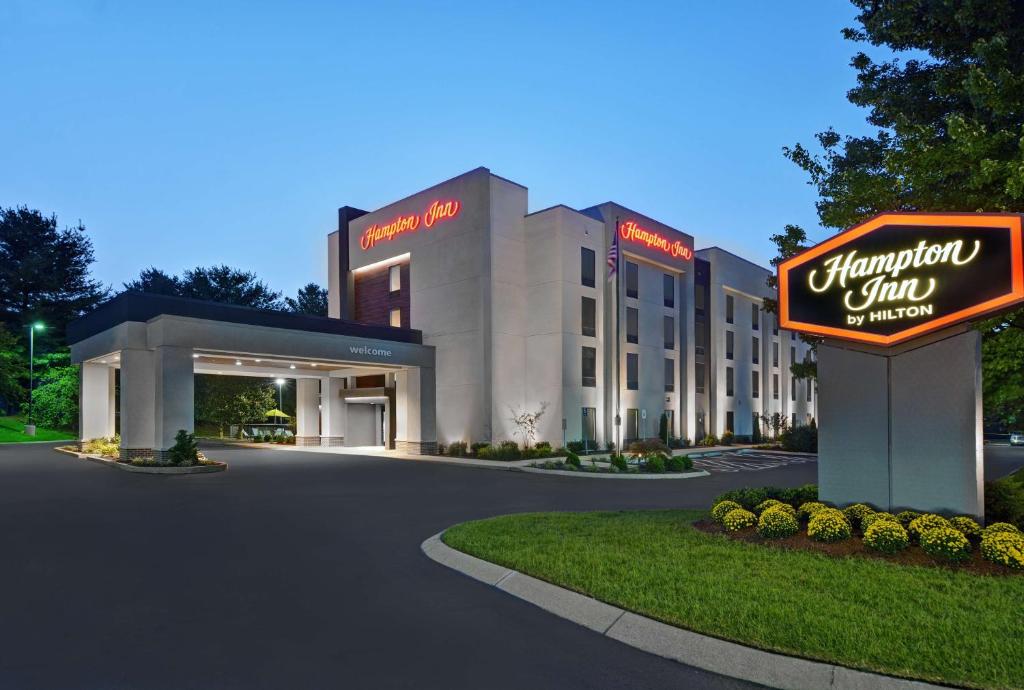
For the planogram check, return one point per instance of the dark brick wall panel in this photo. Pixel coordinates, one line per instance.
(373, 300)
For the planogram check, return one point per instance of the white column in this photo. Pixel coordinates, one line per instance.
(307, 415)
(96, 402)
(415, 423)
(332, 411)
(174, 378)
(137, 401)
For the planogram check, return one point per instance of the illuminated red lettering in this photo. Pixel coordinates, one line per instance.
(435, 213)
(634, 233)
(441, 210)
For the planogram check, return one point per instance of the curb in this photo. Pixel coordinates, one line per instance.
(651, 636)
(141, 469)
(609, 475)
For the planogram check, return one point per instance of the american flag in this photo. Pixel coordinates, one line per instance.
(613, 256)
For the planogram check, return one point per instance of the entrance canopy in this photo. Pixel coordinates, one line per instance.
(158, 343)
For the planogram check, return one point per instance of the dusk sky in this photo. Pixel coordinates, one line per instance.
(202, 133)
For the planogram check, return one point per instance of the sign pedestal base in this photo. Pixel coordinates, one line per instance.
(902, 428)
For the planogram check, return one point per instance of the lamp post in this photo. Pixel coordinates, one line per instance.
(30, 428)
(280, 404)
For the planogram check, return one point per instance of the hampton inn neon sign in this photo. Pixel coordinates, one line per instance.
(902, 275)
(632, 232)
(437, 212)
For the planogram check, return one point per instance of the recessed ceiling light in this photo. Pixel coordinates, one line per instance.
(238, 362)
(314, 364)
(292, 366)
(258, 360)
(195, 356)
(103, 361)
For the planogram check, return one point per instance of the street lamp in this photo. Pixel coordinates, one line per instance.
(30, 428)
(280, 383)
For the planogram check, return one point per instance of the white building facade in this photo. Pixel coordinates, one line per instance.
(522, 314)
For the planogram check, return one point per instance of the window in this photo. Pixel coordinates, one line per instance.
(632, 371)
(698, 377)
(587, 267)
(729, 307)
(632, 424)
(775, 354)
(670, 422)
(670, 375)
(632, 279)
(632, 325)
(755, 350)
(792, 335)
(792, 389)
(589, 363)
(794, 420)
(775, 386)
(589, 316)
(701, 336)
(589, 426)
(728, 344)
(809, 389)
(775, 324)
(729, 381)
(395, 318)
(729, 421)
(670, 333)
(792, 355)
(395, 279)
(699, 298)
(755, 317)
(755, 384)
(670, 291)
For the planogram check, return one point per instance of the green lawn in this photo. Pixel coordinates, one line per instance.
(12, 431)
(926, 623)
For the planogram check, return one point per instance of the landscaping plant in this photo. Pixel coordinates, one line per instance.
(739, 519)
(922, 524)
(966, 526)
(720, 509)
(777, 522)
(997, 527)
(887, 536)
(872, 518)
(945, 543)
(184, 452)
(1004, 548)
(808, 509)
(856, 513)
(829, 525)
(907, 516)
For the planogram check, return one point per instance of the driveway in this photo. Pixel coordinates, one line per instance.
(297, 570)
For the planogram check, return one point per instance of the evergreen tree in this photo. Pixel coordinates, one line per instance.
(311, 299)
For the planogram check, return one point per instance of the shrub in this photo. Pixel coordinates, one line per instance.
(922, 524)
(857, 512)
(678, 463)
(872, 518)
(887, 536)
(477, 446)
(1004, 501)
(808, 509)
(560, 452)
(907, 516)
(945, 543)
(748, 498)
(766, 504)
(738, 519)
(648, 446)
(728, 438)
(829, 525)
(609, 446)
(457, 449)
(107, 447)
(655, 463)
(719, 510)
(798, 495)
(1004, 548)
(777, 522)
(997, 527)
(709, 440)
(184, 451)
(440, 449)
(542, 446)
(572, 460)
(574, 446)
(801, 439)
(966, 526)
(619, 462)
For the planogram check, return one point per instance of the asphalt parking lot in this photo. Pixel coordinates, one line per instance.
(750, 461)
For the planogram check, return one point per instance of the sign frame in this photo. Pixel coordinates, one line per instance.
(1012, 222)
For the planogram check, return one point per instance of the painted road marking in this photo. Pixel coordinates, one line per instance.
(750, 461)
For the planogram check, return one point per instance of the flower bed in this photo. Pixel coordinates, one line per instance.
(780, 517)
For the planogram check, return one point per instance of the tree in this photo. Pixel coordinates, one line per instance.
(213, 283)
(226, 400)
(948, 106)
(311, 299)
(44, 272)
(55, 400)
(526, 423)
(13, 368)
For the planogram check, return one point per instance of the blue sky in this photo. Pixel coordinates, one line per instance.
(193, 133)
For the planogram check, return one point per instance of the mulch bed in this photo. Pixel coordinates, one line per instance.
(854, 547)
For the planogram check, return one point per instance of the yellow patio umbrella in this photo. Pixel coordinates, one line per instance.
(277, 413)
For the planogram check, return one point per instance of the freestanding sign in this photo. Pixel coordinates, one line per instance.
(899, 369)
